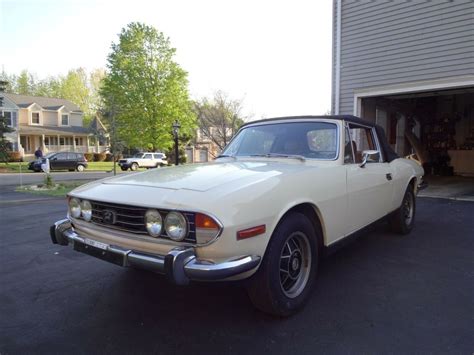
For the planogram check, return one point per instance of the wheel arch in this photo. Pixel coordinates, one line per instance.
(312, 212)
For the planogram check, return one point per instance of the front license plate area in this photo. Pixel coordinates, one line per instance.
(98, 252)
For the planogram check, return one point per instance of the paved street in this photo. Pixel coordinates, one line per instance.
(381, 294)
(10, 179)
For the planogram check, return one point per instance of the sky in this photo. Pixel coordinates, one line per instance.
(275, 56)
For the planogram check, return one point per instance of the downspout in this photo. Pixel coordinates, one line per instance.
(337, 78)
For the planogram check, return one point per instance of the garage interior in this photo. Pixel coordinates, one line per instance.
(435, 128)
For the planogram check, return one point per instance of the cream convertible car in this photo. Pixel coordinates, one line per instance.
(281, 193)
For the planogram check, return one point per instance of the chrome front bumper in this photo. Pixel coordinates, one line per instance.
(180, 265)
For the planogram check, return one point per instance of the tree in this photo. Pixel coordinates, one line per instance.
(25, 83)
(148, 88)
(74, 87)
(219, 118)
(5, 145)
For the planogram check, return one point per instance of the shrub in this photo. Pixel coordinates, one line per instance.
(48, 181)
(109, 157)
(99, 156)
(14, 157)
(89, 156)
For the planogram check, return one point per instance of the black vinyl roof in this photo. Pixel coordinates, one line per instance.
(347, 118)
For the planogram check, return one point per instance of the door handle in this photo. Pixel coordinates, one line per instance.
(388, 176)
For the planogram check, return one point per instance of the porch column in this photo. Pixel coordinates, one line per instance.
(59, 144)
(74, 142)
(87, 144)
(97, 145)
(42, 145)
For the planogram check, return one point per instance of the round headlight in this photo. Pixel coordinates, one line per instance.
(153, 222)
(176, 226)
(75, 207)
(86, 210)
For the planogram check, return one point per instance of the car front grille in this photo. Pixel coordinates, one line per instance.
(132, 219)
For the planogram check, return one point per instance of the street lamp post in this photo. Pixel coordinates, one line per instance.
(176, 127)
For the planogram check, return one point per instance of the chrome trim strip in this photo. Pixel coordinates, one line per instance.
(197, 270)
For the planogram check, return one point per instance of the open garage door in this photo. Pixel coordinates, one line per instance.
(434, 127)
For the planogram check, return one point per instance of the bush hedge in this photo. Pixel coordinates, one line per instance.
(99, 156)
(89, 156)
(14, 157)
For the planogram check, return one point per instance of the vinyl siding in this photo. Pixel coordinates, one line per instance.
(394, 42)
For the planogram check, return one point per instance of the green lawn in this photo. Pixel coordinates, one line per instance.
(92, 166)
(59, 191)
(14, 167)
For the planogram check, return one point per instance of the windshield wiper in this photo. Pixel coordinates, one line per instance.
(277, 155)
(226, 156)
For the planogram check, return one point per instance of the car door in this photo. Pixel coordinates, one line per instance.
(71, 162)
(148, 160)
(369, 187)
(58, 161)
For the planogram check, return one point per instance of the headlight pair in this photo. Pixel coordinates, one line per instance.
(79, 208)
(176, 225)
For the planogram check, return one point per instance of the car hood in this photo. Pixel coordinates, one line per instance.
(204, 177)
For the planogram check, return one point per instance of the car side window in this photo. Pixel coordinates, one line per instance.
(148, 156)
(362, 139)
(157, 156)
(348, 154)
(60, 156)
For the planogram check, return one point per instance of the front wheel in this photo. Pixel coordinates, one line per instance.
(403, 219)
(287, 273)
(134, 167)
(80, 168)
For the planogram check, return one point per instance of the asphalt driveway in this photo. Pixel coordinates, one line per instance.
(381, 294)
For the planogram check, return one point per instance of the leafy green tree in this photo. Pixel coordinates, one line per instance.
(219, 118)
(25, 83)
(148, 88)
(5, 145)
(49, 87)
(74, 87)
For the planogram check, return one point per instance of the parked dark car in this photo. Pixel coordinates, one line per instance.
(61, 161)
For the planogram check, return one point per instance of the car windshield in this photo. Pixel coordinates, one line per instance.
(313, 140)
(138, 155)
(49, 155)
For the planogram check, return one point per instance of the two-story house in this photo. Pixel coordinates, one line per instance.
(51, 124)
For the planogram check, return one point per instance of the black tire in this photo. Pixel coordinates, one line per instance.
(403, 219)
(80, 168)
(268, 289)
(134, 167)
(70, 169)
(124, 169)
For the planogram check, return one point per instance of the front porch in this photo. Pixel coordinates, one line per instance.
(59, 143)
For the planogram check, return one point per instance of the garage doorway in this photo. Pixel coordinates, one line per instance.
(435, 128)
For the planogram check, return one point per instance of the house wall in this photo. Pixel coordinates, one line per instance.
(392, 42)
(75, 119)
(50, 118)
(12, 137)
(23, 116)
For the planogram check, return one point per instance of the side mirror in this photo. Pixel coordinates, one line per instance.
(372, 154)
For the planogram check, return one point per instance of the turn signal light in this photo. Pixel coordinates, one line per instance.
(203, 221)
(206, 228)
(251, 232)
